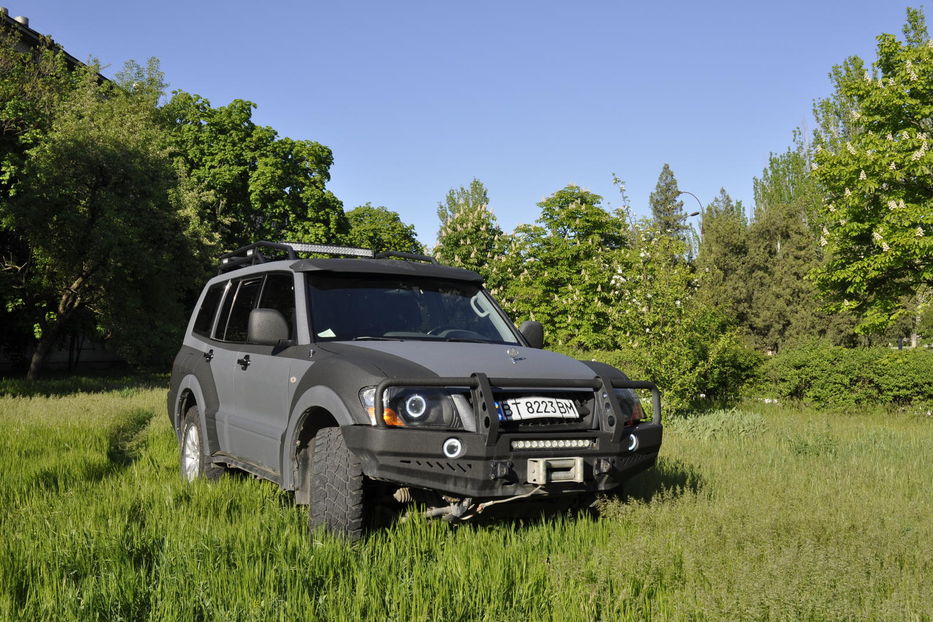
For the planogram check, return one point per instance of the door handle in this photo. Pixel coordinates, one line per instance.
(243, 362)
(209, 355)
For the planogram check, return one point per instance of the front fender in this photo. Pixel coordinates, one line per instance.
(316, 397)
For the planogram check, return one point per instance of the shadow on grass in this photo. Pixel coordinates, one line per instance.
(669, 478)
(125, 443)
(60, 385)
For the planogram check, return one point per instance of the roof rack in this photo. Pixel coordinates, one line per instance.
(253, 254)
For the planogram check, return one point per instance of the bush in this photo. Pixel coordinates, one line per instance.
(697, 373)
(824, 375)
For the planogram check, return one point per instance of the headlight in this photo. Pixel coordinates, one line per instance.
(413, 406)
(631, 406)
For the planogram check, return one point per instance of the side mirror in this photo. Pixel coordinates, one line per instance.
(533, 332)
(266, 327)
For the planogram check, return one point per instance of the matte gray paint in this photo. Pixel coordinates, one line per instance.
(314, 397)
(191, 361)
(494, 360)
(266, 327)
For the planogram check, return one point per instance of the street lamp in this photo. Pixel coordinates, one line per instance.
(692, 214)
(699, 202)
(695, 240)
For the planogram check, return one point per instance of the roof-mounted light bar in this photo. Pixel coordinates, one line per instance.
(263, 251)
(329, 249)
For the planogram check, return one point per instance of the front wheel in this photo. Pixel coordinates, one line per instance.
(194, 462)
(337, 486)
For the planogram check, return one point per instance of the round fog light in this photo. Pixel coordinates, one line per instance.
(632, 442)
(453, 448)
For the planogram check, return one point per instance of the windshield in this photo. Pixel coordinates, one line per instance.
(347, 307)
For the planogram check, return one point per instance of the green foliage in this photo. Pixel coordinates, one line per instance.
(90, 204)
(782, 250)
(667, 210)
(111, 208)
(32, 87)
(821, 374)
(875, 165)
(144, 82)
(723, 258)
(560, 272)
(240, 182)
(381, 229)
(693, 370)
(778, 514)
(463, 199)
(680, 342)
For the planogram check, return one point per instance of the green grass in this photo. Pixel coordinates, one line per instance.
(776, 514)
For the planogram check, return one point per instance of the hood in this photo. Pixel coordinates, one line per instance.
(454, 359)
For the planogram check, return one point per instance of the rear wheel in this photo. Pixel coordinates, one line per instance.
(194, 462)
(337, 486)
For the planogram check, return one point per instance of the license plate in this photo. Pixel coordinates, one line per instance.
(522, 408)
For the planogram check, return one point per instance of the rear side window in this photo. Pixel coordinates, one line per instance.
(244, 301)
(205, 320)
(279, 294)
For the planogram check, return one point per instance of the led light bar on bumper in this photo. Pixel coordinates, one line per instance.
(553, 443)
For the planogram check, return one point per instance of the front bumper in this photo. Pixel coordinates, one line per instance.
(414, 457)
(489, 464)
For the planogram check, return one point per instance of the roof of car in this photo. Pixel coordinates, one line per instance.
(386, 266)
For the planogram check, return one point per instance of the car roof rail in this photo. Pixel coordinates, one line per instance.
(401, 255)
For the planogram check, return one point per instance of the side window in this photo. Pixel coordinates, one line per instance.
(205, 320)
(279, 294)
(244, 301)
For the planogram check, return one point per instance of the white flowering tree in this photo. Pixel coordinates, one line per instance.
(560, 271)
(875, 164)
(470, 238)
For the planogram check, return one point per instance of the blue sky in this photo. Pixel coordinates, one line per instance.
(417, 97)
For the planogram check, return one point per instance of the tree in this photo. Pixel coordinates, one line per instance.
(667, 210)
(664, 330)
(875, 167)
(241, 182)
(32, 86)
(560, 271)
(469, 236)
(91, 206)
(462, 198)
(783, 250)
(723, 256)
(381, 229)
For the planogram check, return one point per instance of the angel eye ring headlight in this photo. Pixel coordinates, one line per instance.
(416, 406)
(413, 407)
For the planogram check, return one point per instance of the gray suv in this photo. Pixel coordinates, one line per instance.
(365, 382)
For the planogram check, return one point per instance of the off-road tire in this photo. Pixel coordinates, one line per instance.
(202, 466)
(337, 487)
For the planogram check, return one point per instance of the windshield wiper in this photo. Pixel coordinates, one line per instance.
(372, 338)
(466, 340)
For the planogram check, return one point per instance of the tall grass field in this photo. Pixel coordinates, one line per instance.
(763, 513)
